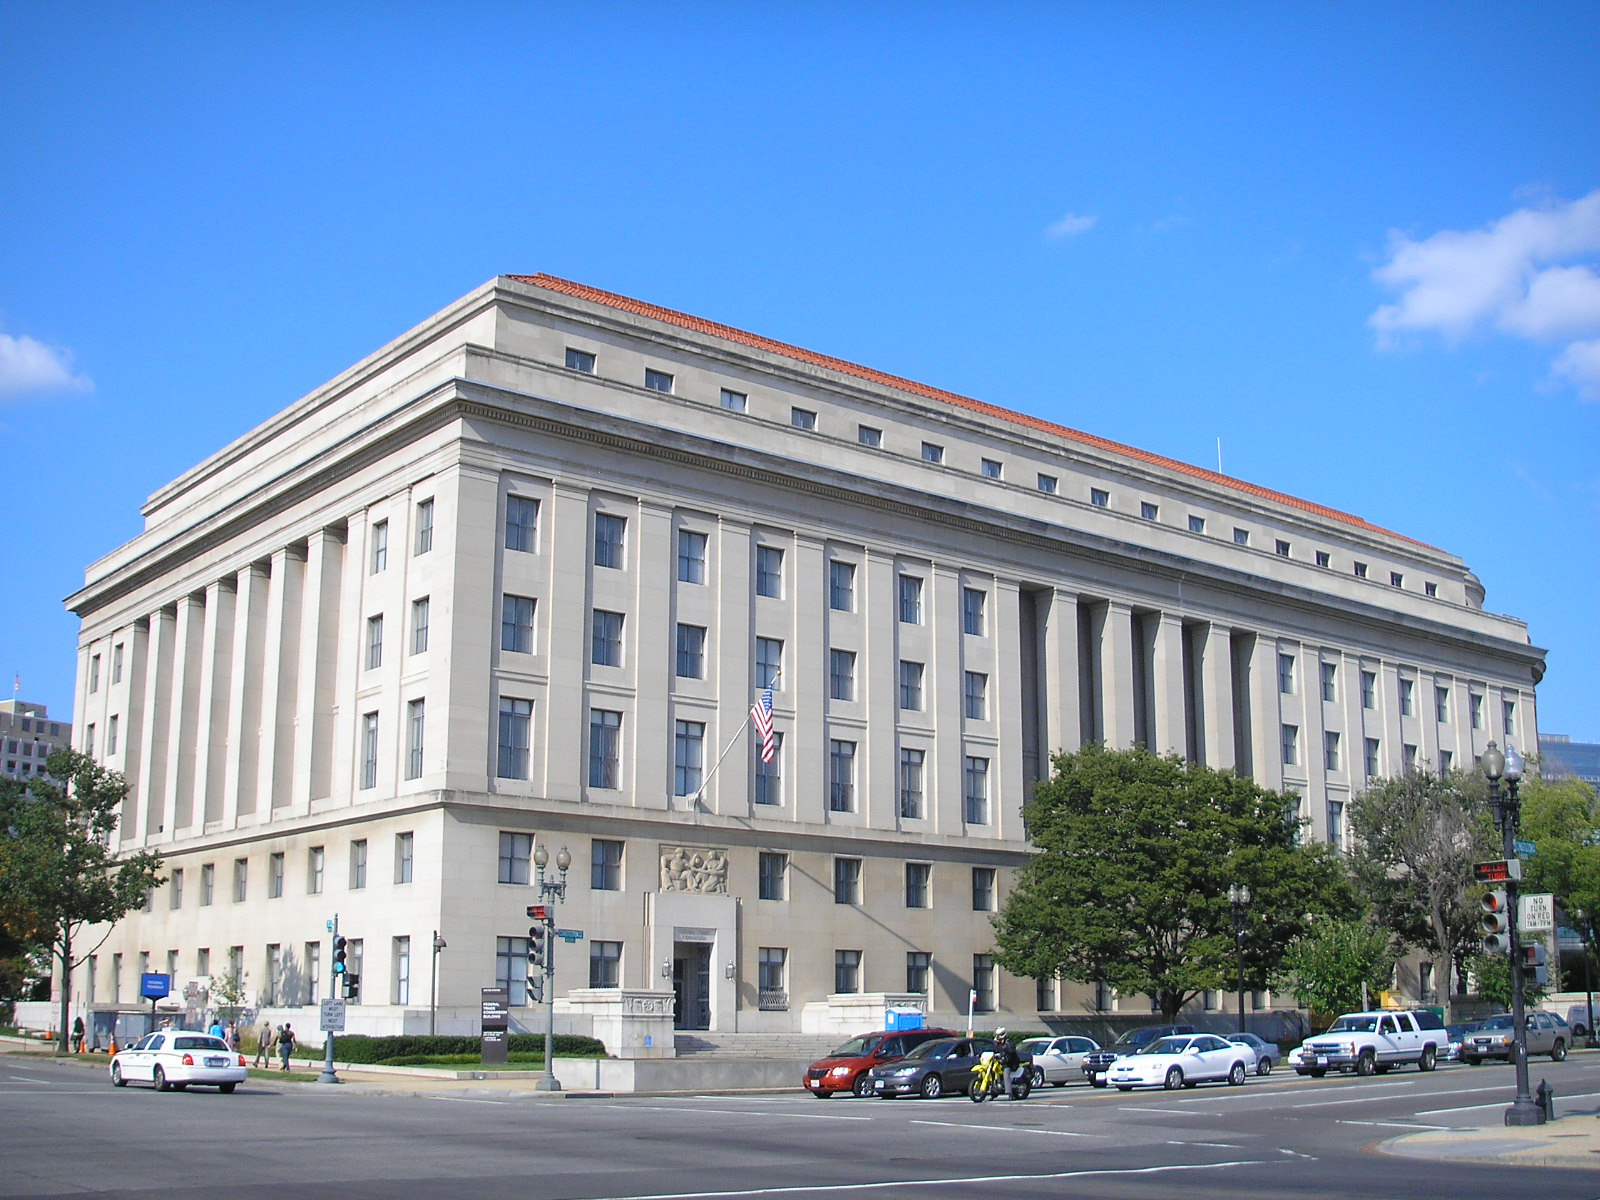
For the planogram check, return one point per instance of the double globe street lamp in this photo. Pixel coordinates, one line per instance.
(550, 890)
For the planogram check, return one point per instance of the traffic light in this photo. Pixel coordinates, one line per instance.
(538, 949)
(535, 989)
(1533, 965)
(352, 986)
(339, 944)
(1496, 922)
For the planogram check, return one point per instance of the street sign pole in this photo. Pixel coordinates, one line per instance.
(329, 1075)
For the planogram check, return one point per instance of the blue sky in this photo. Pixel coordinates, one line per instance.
(1358, 243)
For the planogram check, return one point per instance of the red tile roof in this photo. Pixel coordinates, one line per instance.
(756, 341)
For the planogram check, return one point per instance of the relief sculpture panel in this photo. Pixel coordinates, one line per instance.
(699, 869)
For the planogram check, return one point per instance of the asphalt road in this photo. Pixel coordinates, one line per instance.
(64, 1131)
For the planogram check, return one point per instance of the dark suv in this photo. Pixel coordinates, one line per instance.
(845, 1070)
(1097, 1064)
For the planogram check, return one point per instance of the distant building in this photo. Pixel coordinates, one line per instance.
(27, 738)
(1563, 758)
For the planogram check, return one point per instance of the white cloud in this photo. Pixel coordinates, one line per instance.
(1068, 226)
(28, 365)
(1532, 274)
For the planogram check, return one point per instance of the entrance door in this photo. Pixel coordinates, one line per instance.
(691, 985)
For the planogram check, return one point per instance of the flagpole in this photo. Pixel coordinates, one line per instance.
(700, 791)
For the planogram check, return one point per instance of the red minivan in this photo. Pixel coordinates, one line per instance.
(845, 1070)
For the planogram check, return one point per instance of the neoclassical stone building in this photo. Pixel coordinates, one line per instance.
(515, 580)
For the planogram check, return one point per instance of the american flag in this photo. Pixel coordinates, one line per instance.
(761, 714)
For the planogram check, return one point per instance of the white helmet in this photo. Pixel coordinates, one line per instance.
(1001, 1032)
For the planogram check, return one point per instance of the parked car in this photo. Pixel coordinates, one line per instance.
(1175, 1062)
(175, 1058)
(1457, 1033)
(1097, 1062)
(1577, 1016)
(1266, 1053)
(1370, 1043)
(931, 1069)
(1057, 1060)
(1546, 1034)
(845, 1070)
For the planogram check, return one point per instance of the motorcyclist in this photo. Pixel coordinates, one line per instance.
(1007, 1054)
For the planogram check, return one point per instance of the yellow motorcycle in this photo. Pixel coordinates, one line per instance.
(989, 1080)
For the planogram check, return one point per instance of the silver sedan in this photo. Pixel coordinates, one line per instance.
(175, 1058)
(1058, 1060)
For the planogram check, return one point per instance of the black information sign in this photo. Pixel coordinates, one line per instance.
(496, 1023)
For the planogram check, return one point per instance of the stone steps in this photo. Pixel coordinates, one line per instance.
(808, 1047)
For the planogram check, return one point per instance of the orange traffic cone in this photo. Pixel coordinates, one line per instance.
(83, 1046)
(113, 1043)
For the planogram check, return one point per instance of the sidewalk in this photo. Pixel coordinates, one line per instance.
(1572, 1140)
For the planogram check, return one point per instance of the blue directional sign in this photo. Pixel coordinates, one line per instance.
(570, 935)
(154, 987)
(1524, 849)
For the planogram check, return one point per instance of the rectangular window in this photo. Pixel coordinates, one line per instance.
(316, 861)
(1148, 511)
(769, 663)
(1336, 824)
(313, 971)
(1396, 579)
(1324, 558)
(111, 734)
(419, 626)
(735, 401)
(116, 663)
(1441, 704)
(772, 875)
(516, 722)
(358, 864)
(1408, 756)
(1049, 484)
(1196, 524)
(605, 642)
(1508, 717)
(274, 982)
(511, 969)
(605, 738)
(1369, 761)
(202, 961)
(688, 757)
(975, 790)
(846, 971)
(983, 983)
(241, 879)
(917, 963)
(609, 530)
(416, 726)
(369, 750)
(932, 452)
(657, 381)
(208, 884)
(1359, 570)
(1286, 674)
(1408, 690)
(911, 763)
(516, 851)
(1241, 537)
(769, 572)
(580, 360)
(910, 600)
(402, 971)
(116, 978)
(516, 624)
(910, 686)
(841, 776)
(802, 418)
(1330, 750)
(841, 674)
(973, 615)
(1369, 689)
(1281, 547)
(691, 652)
(1447, 759)
(1475, 709)
(405, 851)
(375, 642)
(842, 586)
(868, 435)
(918, 891)
(772, 977)
(94, 673)
(990, 468)
(769, 775)
(605, 964)
(175, 888)
(1330, 681)
(1290, 738)
(380, 547)
(605, 865)
(424, 540)
(847, 881)
(1430, 589)
(522, 523)
(983, 889)
(1099, 497)
(691, 556)
(975, 695)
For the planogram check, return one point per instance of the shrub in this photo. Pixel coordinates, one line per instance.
(361, 1048)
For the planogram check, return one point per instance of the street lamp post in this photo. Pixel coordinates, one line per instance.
(550, 890)
(1507, 816)
(433, 986)
(1239, 905)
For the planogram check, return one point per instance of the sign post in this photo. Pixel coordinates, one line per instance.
(154, 987)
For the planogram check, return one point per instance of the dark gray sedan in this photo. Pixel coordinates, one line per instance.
(932, 1069)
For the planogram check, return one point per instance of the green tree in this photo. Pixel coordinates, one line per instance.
(1326, 970)
(1415, 838)
(1562, 819)
(56, 863)
(1493, 975)
(228, 994)
(1130, 887)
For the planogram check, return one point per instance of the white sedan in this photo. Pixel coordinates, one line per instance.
(1181, 1061)
(175, 1058)
(1058, 1060)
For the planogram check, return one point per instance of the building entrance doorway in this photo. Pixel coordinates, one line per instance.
(691, 985)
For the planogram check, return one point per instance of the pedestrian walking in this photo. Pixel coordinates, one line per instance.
(264, 1045)
(77, 1035)
(285, 1043)
(232, 1036)
(218, 1030)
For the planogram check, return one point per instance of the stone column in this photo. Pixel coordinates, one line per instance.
(215, 744)
(1063, 713)
(1116, 675)
(1216, 697)
(1169, 734)
(246, 693)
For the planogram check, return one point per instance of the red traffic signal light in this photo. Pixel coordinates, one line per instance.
(1496, 922)
(1501, 871)
(538, 912)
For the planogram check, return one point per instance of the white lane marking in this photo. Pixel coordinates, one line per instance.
(464, 1100)
(1396, 1124)
(1214, 1145)
(728, 1112)
(965, 1181)
(1008, 1129)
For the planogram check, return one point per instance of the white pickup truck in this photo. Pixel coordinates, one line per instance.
(1372, 1042)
